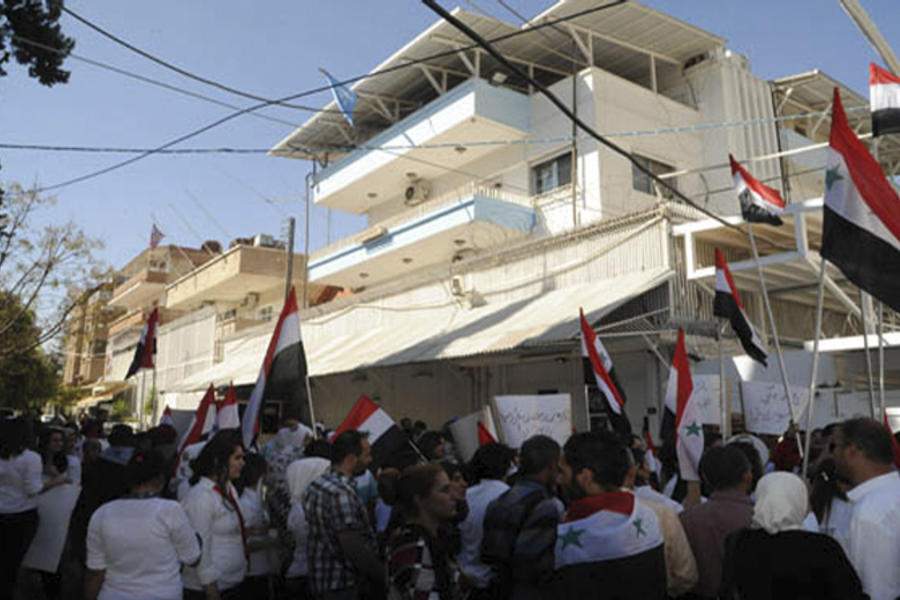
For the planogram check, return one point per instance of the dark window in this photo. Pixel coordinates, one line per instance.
(642, 182)
(552, 174)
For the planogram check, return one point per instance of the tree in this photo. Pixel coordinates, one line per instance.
(24, 21)
(28, 378)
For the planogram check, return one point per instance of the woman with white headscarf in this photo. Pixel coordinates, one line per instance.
(300, 474)
(776, 559)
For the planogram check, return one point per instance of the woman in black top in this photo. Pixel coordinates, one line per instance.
(776, 559)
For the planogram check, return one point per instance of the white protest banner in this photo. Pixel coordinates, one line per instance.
(706, 393)
(521, 417)
(855, 404)
(765, 410)
(465, 435)
(54, 506)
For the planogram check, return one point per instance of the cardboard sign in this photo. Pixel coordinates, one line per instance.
(765, 410)
(707, 395)
(521, 417)
(54, 506)
(465, 435)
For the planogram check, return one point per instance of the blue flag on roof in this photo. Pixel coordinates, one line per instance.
(344, 96)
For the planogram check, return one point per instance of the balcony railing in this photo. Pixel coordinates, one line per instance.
(428, 207)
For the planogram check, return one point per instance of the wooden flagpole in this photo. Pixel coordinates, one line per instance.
(765, 293)
(865, 299)
(815, 366)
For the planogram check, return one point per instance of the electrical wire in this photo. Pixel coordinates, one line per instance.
(310, 92)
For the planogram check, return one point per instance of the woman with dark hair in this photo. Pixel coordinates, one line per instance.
(137, 544)
(213, 510)
(20, 482)
(54, 457)
(419, 563)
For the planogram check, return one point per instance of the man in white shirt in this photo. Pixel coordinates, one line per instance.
(489, 467)
(864, 456)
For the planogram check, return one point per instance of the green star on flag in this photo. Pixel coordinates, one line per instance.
(832, 176)
(639, 527)
(570, 537)
(693, 429)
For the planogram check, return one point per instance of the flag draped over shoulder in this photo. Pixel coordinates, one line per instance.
(227, 416)
(884, 100)
(861, 229)
(146, 348)
(682, 414)
(759, 202)
(384, 434)
(283, 372)
(729, 306)
(598, 370)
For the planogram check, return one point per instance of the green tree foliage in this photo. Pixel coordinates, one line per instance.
(35, 21)
(28, 379)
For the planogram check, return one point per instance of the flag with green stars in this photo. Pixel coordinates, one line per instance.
(680, 401)
(606, 527)
(861, 216)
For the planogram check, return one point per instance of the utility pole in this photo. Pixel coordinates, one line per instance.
(289, 270)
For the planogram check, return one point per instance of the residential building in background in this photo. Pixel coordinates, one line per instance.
(86, 336)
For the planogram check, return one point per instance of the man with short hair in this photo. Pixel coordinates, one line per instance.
(520, 525)
(610, 543)
(864, 456)
(727, 471)
(489, 467)
(343, 553)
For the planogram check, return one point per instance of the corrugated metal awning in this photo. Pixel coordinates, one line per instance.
(546, 319)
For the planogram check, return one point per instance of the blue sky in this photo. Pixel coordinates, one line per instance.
(273, 49)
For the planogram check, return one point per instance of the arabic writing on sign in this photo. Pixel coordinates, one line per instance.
(521, 417)
(765, 410)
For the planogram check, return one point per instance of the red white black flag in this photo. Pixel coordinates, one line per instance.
(203, 421)
(227, 416)
(383, 433)
(146, 348)
(884, 100)
(861, 228)
(283, 372)
(759, 202)
(682, 414)
(729, 306)
(598, 370)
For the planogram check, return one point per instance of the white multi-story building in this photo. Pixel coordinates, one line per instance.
(489, 225)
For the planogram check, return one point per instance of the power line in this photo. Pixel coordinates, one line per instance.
(144, 79)
(179, 70)
(250, 109)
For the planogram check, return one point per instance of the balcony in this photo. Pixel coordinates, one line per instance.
(229, 277)
(437, 232)
(139, 291)
(136, 319)
(472, 112)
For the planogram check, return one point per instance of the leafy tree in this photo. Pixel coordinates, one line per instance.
(36, 21)
(29, 378)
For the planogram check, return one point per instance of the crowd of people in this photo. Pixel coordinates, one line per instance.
(309, 516)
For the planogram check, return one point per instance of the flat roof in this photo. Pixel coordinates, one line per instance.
(625, 35)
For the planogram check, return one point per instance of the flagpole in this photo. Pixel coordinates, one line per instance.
(724, 409)
(863, 301)
(312, 414)
(154, 394)
(765, 293)
(815, 366)
(881, 356)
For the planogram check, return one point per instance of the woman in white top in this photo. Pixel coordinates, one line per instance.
(137, 544)
(256, 522)
(20, 482)
(300, 474)
(213, 510)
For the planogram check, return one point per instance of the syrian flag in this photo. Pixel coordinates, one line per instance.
(146, 348)
(884, 99)
(227, 416)
(598, 371)
(759, 202)
(894, 443)
(203, 422)
(484, 436)
(861, 230)
(729, 306)
(384, 435)
(166, 418)
(609, 527)
(156, 236)
(682, 414)
(283, 371)
(653, 461)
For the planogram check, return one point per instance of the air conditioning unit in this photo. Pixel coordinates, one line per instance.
(416, 192)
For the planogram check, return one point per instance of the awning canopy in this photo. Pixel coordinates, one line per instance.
(546, 319)
(243, 360)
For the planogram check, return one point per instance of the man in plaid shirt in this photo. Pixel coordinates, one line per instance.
(342, 550)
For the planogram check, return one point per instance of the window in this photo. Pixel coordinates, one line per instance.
(642, 182)
(266, 313)
(552, 174)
